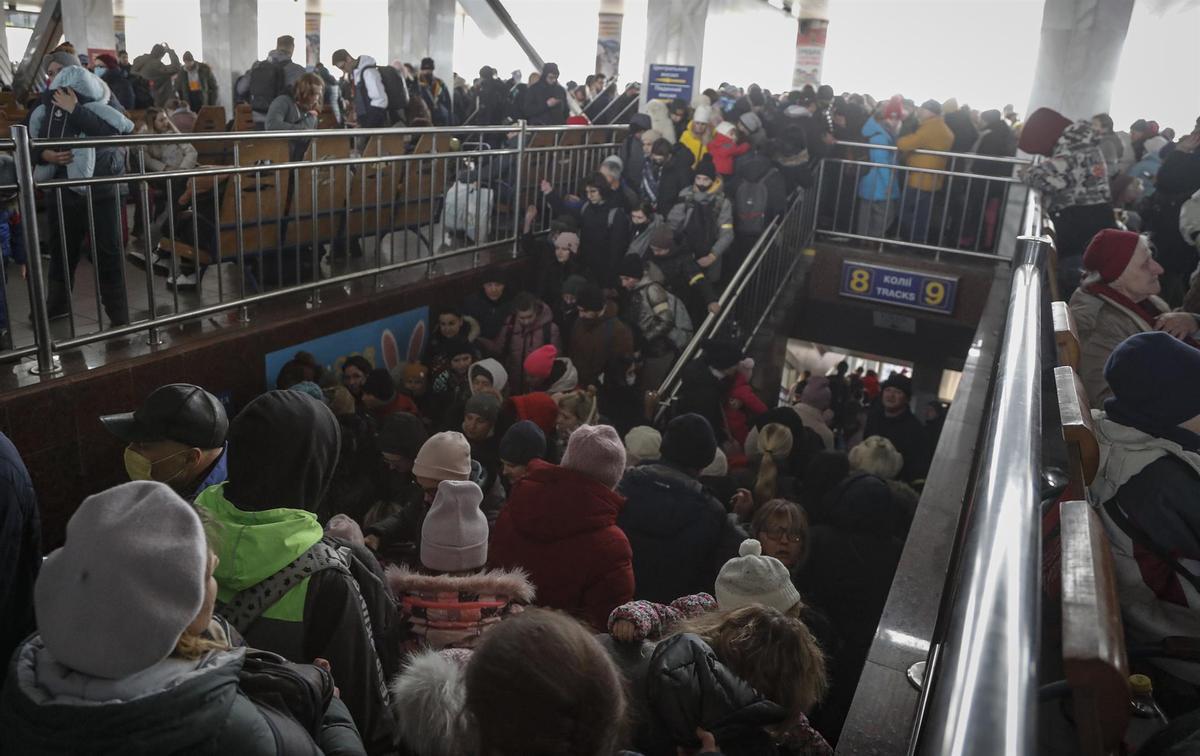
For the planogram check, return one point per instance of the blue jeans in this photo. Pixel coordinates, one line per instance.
(915, 208)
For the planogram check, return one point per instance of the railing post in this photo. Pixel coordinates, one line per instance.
(47, 362)
(518, 191)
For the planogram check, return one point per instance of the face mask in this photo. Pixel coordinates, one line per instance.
(100, 71)
(140, 468)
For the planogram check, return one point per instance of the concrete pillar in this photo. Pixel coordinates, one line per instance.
(1079, 54)
(89, 24)
(675, 37)
(230, 39)
(419, 29)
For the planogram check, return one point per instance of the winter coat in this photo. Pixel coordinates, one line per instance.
(1178, 179)
(753, 167)
(604, 232)
(718, 213)
(633, 157)
(1146, 169)
(454, 611)
(698, 146)
(537, 112)
(94, 117)
(159, 74)
(576, 557)
(651, 313)
(1102, 323)
(168, 156)
(640, 245)
(284, 115)
(119, 84)
(701, 392)
(551, 274)
(428, 699)
(995, 140)
(848, 574)
(1156, 481)
(265, 516)
(879, 184)
(965, 135)
(178, 706)
(933, 134)
(684, 278)
(207, 83)
(1074, 175)
(515, 342)
(675, 176)
(20, 548)
(1113, 151)
(814, 420)
(738, 420)
(679, 534)
(908, 436)
(595, 344)
(488, 314)
(723, 150)
(437, 99)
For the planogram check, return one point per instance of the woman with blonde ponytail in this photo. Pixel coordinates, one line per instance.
(774, 444)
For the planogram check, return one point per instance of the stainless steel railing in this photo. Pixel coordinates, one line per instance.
(283, 213)
(962, 216)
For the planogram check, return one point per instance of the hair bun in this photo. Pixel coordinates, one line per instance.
(750, 547)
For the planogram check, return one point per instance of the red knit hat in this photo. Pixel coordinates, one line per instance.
(1109, 253)
(108, 60)
(540, 362)
(1042, 130)
(578, 120)
(539, 407)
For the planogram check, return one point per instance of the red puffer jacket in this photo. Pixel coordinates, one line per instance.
(560, 526)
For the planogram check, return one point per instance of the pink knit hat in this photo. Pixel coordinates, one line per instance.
(454, 535)
(540, 362)
(445, 456)
(597, 451)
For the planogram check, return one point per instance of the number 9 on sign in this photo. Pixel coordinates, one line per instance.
(935, 293)
(860, 280)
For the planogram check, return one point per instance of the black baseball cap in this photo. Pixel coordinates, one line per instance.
(177, 412)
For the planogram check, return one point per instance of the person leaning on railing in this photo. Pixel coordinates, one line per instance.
(297, 110)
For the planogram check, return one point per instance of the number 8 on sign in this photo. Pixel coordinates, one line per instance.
(860, 280)
(935, 293)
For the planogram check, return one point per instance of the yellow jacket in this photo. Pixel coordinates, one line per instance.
(693, 143)
(934, 134)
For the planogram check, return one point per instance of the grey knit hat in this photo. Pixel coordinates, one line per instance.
(752, 578)
(454, 536)
(130, 578)
(64, 59)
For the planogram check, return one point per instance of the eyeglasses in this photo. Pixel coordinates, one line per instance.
(781, 534)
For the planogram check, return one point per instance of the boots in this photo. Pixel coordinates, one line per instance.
(58, 300)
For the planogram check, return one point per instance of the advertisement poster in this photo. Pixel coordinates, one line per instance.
(608, 44)
(671, 82)
(810, 52)
(312, 39)
(385, 343)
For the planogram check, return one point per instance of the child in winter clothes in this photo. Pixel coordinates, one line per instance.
(742, 405)
(452, 386)
(456, 600)
(724, 148)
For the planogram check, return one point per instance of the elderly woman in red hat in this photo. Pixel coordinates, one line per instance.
(1118, 298)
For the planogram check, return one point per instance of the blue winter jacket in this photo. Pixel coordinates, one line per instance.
(878, 182)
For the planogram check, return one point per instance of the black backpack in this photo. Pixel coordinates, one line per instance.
(292, 698)
(751, 201)
(397, 93)
(697, 233)
(267, 81)
(142, 96)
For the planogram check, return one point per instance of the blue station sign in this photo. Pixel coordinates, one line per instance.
(897, 286)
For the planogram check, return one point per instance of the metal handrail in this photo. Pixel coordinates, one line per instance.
(983, 672)
(937, 153)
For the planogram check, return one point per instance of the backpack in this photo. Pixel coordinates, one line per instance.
(697, 233)
(142, 96)
(750, 205)
(683, 331)
(292, 698)
(267, 81)
(397, 93)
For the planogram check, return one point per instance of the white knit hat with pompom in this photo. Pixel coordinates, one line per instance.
(752, 578)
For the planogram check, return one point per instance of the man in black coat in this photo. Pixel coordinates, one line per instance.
(680, 535)
(702, 384)
(20, 548)
(894, 420)
(604, 227)
(546, 101)
(669, 173)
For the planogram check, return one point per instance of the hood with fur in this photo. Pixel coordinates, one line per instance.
(454, 611)
(429, 699)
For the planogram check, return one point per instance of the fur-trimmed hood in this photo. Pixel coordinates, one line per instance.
(454, 611)
(429, 699)
(513, 584)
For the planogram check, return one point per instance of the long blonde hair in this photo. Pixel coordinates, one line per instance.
(771, 650)
(774, 440)
(581, 404)
(194, 646)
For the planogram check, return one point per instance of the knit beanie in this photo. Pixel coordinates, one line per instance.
(706, 167)
(750, 122)
(486, 406)
(689, 442)
(130, 578)
(597, 451)
(590, 298)
(725, 128)
(615, 162)
(454, 536)
(1153, 379)
(718, 468)
(643, 444)
(933, 106)
(574, 284)
(401, 433)
(445, 456)
(631, 266)
(379, 385)
(1042, 130)
(64, 59)
(540, 362)
(522, 442)
(898, 381)
(817, 393)
(894, 107)
(751, 578)
(703, 114)
(344, 526)
(663, 238)
(550, 68)
(1109, 253)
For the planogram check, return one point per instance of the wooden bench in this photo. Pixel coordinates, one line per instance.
(322, 202)
(1066, 337)
(1083, 451)
(243, 117)
(1093, 639)
(211, 120)
(264, 204)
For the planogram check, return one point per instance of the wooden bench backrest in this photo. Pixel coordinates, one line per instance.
(1076, 415)
(1066, 337)
(210, 118)
(1093, 638)
(243, 117)
(332, 187)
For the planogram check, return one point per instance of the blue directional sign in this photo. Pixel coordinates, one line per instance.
(919, 290)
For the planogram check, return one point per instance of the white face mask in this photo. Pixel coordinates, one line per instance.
(100, 71)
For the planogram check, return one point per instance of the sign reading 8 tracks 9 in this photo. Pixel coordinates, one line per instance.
(896, 286)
